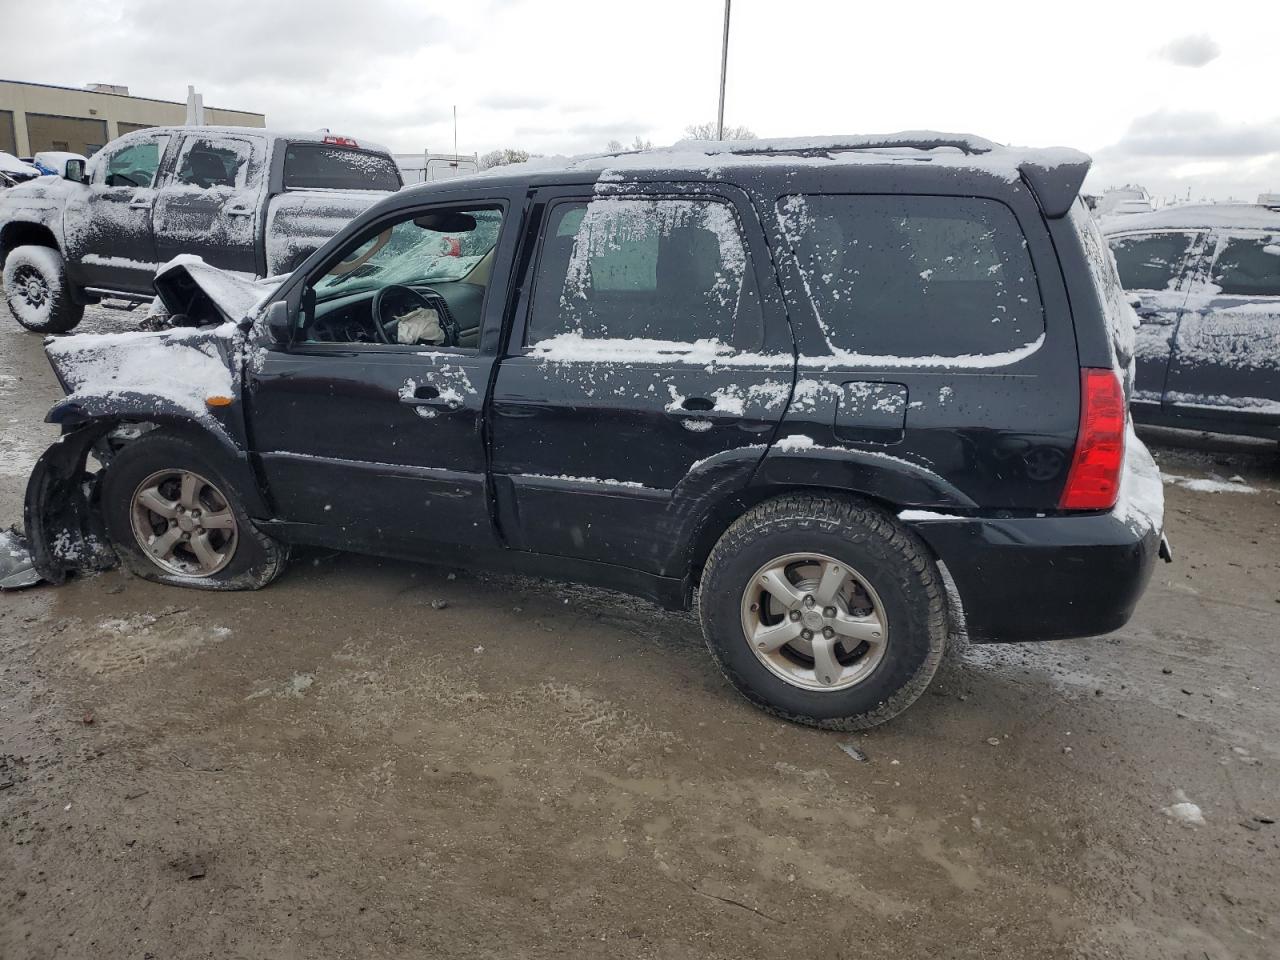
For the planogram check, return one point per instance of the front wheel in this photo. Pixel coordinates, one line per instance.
(825, 611)
(172, 517)
(36, 290)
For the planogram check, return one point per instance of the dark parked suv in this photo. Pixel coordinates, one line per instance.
(856, 396)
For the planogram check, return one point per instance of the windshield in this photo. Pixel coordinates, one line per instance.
(411, 254)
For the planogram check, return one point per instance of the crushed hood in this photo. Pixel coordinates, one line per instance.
(206, 294)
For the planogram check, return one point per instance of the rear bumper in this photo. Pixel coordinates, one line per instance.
(1044, 578)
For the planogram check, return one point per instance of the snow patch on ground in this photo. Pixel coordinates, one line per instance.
(1209, 484)
(1184, 811)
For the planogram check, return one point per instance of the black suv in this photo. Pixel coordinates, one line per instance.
(855, 396)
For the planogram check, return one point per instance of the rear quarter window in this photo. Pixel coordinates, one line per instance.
(315, 166)
(913, 276)
(1248, 267)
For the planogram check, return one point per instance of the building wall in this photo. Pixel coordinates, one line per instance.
(46, 117)
(8, 140)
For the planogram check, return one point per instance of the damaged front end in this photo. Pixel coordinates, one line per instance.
(119, 386)
(62, 512)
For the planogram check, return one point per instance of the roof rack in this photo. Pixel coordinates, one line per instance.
(968, 145)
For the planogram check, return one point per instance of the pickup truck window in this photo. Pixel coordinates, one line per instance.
(315, 166)
(1151, 261)
(134, 165)
(669, 269)
(1248, 267)
(911, 276)
(221, 163)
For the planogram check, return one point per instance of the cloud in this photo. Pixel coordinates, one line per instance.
(1193, 50)
(515, 102)
(1195, 134)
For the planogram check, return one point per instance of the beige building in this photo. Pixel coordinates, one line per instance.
(36, 116)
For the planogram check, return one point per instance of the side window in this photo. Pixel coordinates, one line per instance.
(418, 282)
(1151, 261)
(134, 165)
(214, 163)
(663, 269)
(907, 276)
(1248, 266)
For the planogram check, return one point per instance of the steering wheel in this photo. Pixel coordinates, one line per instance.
(380, 321)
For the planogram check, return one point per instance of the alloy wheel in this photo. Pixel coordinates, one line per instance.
(183, 523)
(814, 622)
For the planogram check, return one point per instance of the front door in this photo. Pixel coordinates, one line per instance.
(109, 236)
(644, 373)
(210, 205)
(1154, 268)
(1226, 357)
(367, 426)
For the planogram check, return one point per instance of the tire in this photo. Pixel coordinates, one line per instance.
(36, 290)
(161, 460)
(891, 590)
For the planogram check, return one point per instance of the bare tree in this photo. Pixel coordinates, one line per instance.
(707, 131)
(500, 158)
(639, 143)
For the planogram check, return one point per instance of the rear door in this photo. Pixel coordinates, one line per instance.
(648, 366)
(108, 226)
(212, 201)
(1226, 357)
(1155, 268)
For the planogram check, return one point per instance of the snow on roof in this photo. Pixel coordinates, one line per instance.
(304, 136)
(912, 146)
(1247, 216)
(11, 164)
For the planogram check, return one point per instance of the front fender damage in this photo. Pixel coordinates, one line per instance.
(63, 513)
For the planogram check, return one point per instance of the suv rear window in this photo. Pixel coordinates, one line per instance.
(902, 276)
(315, 166)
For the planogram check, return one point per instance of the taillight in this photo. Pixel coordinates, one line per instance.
(341, 141)
(1093, 483)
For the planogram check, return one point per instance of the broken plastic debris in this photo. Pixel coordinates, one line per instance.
(854, 752)
(16, 567)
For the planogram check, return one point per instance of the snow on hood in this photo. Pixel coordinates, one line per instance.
(179, 368)
(232, 295)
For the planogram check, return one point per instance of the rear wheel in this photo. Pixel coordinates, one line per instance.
(825, 611)
(173, 518)
(35, 288)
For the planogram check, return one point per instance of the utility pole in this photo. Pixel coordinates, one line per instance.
(724, 65)
(455, 131)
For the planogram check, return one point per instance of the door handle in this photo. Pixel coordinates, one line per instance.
(139, 204)
(239, 211)
(426, 395)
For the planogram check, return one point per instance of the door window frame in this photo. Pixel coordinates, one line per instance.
(1187, 269)
(253, 171)
(492, 306)
(164, 144)
(759, 267)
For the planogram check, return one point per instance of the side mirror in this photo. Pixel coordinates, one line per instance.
(278, 323)
(74, 171)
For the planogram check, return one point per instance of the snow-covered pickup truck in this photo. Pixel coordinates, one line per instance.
(252, 201)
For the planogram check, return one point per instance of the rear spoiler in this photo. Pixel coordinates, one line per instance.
(1056, 179)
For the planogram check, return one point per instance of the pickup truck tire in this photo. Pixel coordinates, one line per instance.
(35, 287)
(882, 621)
(158, 493)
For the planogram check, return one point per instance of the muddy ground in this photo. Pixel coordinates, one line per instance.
(343, 766)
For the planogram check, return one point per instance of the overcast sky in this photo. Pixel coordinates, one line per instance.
(1176, 96)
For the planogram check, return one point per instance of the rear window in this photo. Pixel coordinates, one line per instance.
(315, 166)
(1248, 266)
(1151, 261)
(901, 276)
